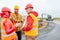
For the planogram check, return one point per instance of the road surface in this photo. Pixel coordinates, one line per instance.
(51, 32)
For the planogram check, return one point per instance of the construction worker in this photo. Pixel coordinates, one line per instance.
(17, 18)
(30, 26)
(7, 27)
(0, 26)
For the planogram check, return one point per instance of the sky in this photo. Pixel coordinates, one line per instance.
(51, 7)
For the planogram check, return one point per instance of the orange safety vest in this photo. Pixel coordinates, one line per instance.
(34, 30)
(5, 36)
(17, 19)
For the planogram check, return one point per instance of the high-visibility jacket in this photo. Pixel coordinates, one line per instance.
(16, 19)
(34, 30)
(4, 35)
(0, 26)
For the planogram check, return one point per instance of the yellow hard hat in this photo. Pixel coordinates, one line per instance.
(16, 7)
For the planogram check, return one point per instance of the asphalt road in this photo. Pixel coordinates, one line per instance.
(51, 32)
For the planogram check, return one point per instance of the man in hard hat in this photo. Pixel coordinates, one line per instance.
(7, 27)
(17, 18)
(31, 23)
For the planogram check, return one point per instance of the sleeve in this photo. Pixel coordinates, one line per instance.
(29, 24)
(8, 27)
(35, 13)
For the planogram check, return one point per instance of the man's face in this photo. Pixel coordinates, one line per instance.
(29, 10)
(16, 10)
(6, 14)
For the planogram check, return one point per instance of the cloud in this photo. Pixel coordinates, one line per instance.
(51, 7)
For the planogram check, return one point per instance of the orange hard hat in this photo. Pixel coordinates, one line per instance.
(28, 6)
(5, 9)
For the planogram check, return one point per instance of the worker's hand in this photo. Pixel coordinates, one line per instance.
(18, 24)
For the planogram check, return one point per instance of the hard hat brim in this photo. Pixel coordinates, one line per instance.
(28, 7)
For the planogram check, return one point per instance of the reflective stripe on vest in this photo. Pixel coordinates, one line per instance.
(7, 35)
(35, 24)
(34, 29)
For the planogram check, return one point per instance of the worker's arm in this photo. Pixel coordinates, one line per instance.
(8, 27)
(29, 24)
